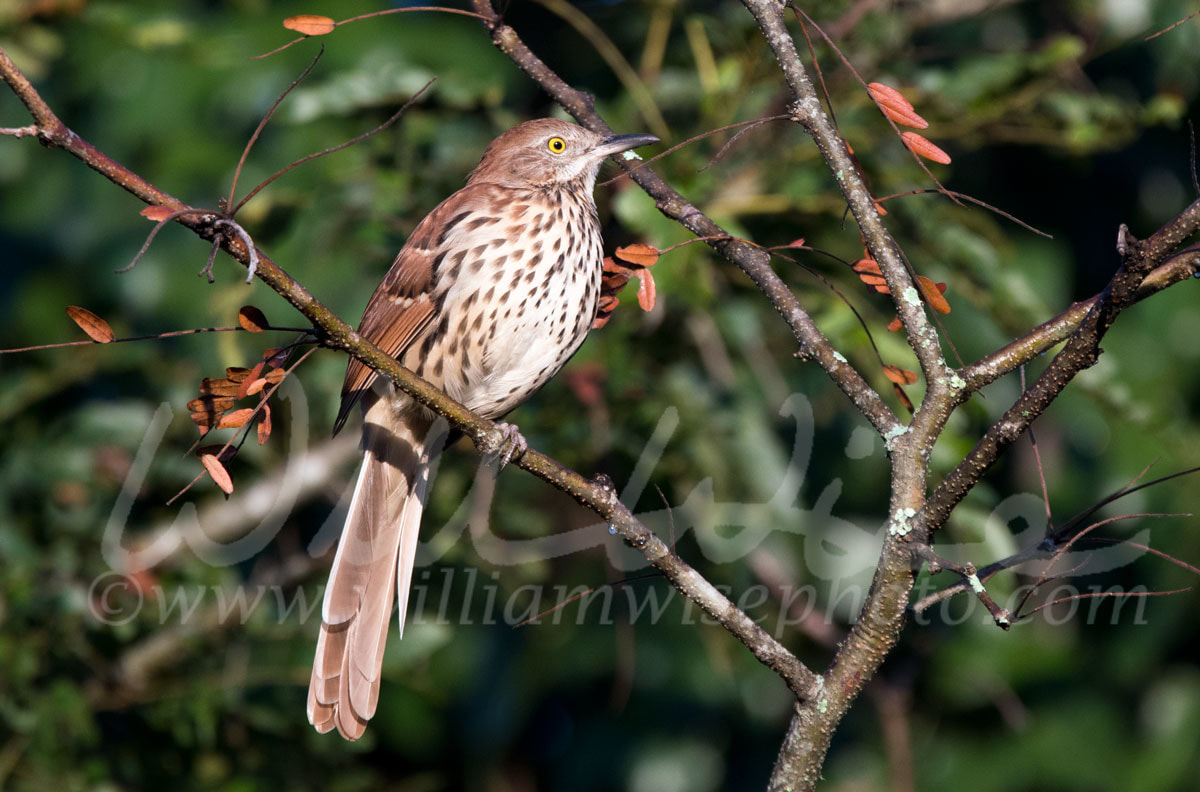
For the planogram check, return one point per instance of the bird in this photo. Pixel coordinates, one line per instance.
(488, 298)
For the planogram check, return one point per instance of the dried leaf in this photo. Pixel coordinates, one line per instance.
(252, 320)
(638, 254)
(886, 94)
(236, 418)
(208, 403)
(899, 376)
(646, 291)
(895, 325)
(218, 387)
(604, 310)
(156, 213)
(309, 24)
(264, 424)
(895, 106)
(870, 274)
(96, 328)
(205, 420)
(275, 375)
(237, 374)
(868, 265)
(251, 376)
(903, 397)
(612, 267)
(922, 147)
(218, 472)
(256, 386)
(933, 294)
(796, 243)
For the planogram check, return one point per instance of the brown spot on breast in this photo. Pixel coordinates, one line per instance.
(456, 260)
(446, 229)
(479, 222)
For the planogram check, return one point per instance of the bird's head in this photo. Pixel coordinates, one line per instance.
(548, 151)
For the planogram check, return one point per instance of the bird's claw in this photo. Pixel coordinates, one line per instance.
(512, 443)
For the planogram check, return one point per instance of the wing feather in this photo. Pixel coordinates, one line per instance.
(407, 300)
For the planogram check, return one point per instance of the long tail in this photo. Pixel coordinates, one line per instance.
(374, 560)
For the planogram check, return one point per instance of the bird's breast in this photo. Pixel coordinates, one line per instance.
(518, 288)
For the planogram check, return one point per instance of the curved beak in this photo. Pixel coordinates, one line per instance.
(615, 144)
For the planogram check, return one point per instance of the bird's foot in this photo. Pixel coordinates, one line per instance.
(512, 443)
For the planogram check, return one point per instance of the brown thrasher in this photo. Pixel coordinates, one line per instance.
(490, 296)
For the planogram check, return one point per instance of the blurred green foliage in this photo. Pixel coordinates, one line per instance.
(1059, 113)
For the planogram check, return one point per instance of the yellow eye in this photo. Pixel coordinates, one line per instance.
(556, 145)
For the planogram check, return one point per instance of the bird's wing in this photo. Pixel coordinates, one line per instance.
(407, 300)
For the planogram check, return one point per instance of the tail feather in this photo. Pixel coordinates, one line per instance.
(376, 551)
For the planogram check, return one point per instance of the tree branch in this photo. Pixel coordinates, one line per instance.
(806, 110)
(1139, 261)
(1054, 331)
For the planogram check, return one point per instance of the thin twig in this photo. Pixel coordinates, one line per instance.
(969, 199)
(237, 172)
(170, 334)
(634, 169)
(251, 250)
(1169, 28)
(394, 117)
(442, 9)
(1037, 456)
(1099, 595)
(1061, 551)
(734, 138)
(178, 213)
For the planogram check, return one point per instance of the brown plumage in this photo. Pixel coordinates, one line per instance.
(491, 295)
